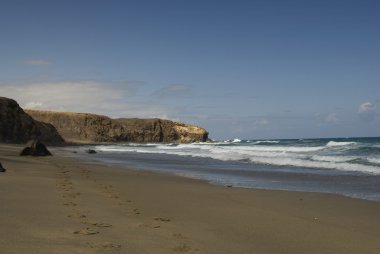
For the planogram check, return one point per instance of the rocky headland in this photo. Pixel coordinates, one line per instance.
(16, 126)
(91, 128)
(56, 128)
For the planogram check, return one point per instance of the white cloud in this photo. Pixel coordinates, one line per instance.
(323, 119)
(138, 110)
(367, 111)
(366, 107)
(36, 62)
(113, 98)
(33, 105)
(262, 122)
(240, 126)
(331, 118)
(174, 91)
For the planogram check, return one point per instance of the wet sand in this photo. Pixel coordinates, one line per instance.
(65, 205)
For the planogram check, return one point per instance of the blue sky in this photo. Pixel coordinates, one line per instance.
(247, 69)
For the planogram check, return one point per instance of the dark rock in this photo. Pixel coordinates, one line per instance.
(2, 169)
(16, 126)
(35, 148)
(90, 151)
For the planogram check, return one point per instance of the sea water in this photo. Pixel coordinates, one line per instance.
(349, 166)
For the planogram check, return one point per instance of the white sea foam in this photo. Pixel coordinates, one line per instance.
(236, 140)
(267, 141)
(144, 145)
(374, 160)
(295, 156)
(334, 143)
(284, 149)
(333, 158)
(199, 150)
(318, 164)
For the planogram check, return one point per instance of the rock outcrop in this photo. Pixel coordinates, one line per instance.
(2, 169)
(35, 148)
(91, 128)
(18, 127)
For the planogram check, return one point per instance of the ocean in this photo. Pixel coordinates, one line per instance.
(345, 166)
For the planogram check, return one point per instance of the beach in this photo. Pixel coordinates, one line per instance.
(70, 205)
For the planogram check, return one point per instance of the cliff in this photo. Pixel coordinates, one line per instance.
(91, 128)
(18, 127)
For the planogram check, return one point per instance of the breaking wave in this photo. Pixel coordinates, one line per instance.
(296, 153)
(334, 143)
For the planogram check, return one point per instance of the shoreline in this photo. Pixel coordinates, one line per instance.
(67, 205)
(237, 174)
(94, 161)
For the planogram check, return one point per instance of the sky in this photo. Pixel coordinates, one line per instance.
(258, 69)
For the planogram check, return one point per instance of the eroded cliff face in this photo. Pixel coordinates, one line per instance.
(18, 127)
(90, 128)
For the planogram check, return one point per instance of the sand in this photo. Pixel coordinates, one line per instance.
(66, 205)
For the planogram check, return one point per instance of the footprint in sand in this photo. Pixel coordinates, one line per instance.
(126, 202)
(70, 195)
(85, 171)
(69, 204)
(149, 225)
(114, 196)
(154, 225)
(76, 215)
(86, 231)
(161, 219)
(105, 186)
(98, 224)
(104, 245)
(67, 185)
(182, 248)
(179, 236)
(108, 191)
(136, 211)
